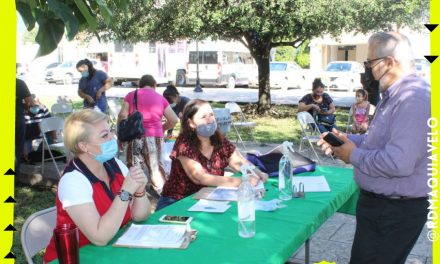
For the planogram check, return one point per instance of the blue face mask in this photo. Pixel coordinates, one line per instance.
(206, 130)
(85, 74)
(109, 150)
(34, 109)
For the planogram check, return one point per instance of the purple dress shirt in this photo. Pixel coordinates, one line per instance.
(392, 158)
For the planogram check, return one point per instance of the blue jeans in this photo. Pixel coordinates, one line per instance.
(323, 128)
(164, 202)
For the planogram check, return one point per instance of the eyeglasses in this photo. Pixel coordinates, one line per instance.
(367, 63)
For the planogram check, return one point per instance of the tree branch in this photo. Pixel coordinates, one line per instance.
(294, 43)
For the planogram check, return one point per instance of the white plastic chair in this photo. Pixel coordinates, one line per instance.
(48, 125)
(310, 132)
(61, 110)
(114, 107)
(37, 232)
(240, 122)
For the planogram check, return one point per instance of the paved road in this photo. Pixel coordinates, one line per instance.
(45, 92)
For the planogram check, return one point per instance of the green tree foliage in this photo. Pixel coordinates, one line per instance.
(286, 53)
(56, 17)
(258, 24)
(263, 24)
(302, 55)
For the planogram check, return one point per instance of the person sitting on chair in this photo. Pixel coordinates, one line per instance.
(97, 192)
(200, 155)
(320, 105)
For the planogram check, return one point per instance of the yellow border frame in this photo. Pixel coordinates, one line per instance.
(7, 121)
(7, 104)
(435, 108)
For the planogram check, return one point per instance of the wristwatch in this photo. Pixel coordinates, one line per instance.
(125, 196)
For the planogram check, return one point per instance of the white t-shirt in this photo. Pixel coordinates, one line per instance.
(74, 188)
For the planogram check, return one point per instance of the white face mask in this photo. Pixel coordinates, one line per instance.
(173, 105)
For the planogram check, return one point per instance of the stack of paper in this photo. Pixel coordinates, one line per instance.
(312, 183)
(210, 206)
(153, 236)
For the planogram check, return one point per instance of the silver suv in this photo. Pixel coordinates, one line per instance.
(66, 72)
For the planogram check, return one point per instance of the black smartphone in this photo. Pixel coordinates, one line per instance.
(175, 219)
(333, 140)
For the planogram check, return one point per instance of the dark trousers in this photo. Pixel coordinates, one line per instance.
(19, 144)
(386, 229)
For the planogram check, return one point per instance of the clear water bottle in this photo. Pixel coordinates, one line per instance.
(285, 175)
(246, 207)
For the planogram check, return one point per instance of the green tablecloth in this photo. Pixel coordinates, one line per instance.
(278, 234)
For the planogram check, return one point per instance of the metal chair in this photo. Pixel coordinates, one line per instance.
(239, 121)
(61, 109)
(50, 124)
(37, 232)
(310, 132)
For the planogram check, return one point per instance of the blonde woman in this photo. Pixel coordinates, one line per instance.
(97, 192)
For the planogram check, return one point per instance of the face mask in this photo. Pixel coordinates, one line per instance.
(206, 130)
(34, 109)
(85, 74)
(173, 105)
(109, 150)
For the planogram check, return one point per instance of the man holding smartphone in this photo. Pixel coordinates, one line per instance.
(391, 160)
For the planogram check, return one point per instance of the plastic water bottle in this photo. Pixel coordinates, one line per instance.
(246, 207)
(285, 175)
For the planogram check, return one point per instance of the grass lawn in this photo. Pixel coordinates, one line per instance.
(277, 126)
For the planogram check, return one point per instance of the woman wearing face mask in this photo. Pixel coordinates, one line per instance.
(97, 192)
(200, 155)
(92, 85)
(320, 105)
(176, 102)
(147, 150)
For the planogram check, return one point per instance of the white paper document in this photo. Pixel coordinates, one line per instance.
(210, 206)
(229, 193)
(153, 236)
(312, 183)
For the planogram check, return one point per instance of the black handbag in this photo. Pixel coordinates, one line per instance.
(327, 120)
(132, 127)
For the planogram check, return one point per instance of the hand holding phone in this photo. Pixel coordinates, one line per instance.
(175, 219)
(333, 140)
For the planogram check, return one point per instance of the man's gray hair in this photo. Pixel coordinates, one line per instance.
(393, 44)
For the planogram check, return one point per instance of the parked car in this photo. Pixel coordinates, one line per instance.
(343, 75)
(423, 69)
(286, 75)
(67, 73)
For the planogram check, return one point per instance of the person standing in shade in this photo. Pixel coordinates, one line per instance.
(176, 102)
(147, 150)
(92, 85)
(23, 100)
(390, 161)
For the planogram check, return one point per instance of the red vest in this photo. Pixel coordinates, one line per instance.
(102, 197)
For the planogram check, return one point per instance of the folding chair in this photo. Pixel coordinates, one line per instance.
(239, 121)
(61, 109)
(114, 107)
(310, 132)
(48, 125)
(37, 232)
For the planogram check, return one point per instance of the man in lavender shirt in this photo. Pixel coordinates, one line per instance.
(391, 160)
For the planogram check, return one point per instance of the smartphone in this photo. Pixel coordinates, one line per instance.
(175, 219)
(333, 140)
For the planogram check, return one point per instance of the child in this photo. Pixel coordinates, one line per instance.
(360, 112)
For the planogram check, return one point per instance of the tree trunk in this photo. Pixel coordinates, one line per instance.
(260, 51)
(264, 100)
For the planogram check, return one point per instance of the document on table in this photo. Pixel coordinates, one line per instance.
(210, 206)
(153, 236)
(311, 183)
(229, 193)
